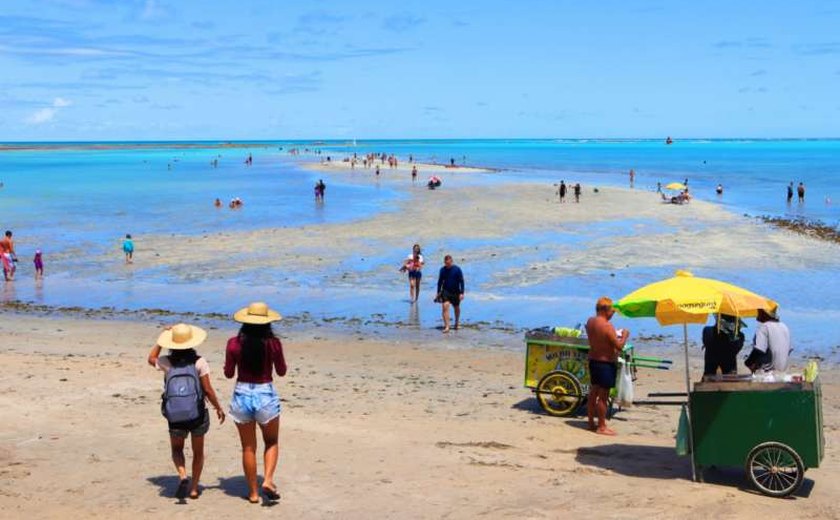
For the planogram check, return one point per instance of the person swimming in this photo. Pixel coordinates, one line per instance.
(719, 189)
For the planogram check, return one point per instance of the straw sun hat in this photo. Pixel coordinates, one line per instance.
(256, 313)
(182, 337)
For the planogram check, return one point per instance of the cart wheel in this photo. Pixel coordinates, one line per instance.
(775, 469)
(559, 393)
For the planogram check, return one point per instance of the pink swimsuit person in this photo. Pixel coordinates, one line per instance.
(39, 263)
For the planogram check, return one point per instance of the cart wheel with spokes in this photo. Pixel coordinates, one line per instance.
(775, 469)
(559, 393)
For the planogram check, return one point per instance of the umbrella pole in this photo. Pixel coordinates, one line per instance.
(688, 404)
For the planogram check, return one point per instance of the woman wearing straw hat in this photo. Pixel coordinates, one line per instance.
(251, 355)
(181, 341)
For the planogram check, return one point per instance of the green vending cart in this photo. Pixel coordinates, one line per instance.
(773, 430)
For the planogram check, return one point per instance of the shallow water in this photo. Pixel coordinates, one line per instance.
(86, 200)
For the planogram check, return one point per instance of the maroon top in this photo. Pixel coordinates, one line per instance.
(273, 356)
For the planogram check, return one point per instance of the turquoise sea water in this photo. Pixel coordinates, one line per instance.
(84, 201)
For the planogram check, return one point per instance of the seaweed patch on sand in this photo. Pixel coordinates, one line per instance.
(811, 228)
(219, 319)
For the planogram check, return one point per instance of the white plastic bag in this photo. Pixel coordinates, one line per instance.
(625, 386)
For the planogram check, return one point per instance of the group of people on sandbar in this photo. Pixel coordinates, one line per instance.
(563, 189)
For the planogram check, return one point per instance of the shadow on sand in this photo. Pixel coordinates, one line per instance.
(662, 462)
(231, 486)
(238, 487)
(167, 485)
(532, 405)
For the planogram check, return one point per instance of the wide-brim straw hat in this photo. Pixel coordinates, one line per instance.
(182, 337)
(256, 313)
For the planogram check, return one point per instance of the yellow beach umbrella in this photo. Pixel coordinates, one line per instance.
(689, 299)
(686, 299)
(675, 186)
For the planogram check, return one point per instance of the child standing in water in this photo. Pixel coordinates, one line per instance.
(128, 249)
(39, 264)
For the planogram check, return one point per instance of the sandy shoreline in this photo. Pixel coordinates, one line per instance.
(370, 430)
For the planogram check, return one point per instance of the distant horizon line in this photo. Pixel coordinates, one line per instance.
(326, 140)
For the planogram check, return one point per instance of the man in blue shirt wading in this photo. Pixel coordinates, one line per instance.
(450, 290)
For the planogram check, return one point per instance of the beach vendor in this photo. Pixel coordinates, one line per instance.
(605, 344)
(771, 344)
(185, 412)
(721, 344)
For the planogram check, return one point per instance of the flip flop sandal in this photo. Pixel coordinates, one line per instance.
(271, 494)
(181, 492)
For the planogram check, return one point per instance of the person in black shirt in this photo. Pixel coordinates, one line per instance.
(450, 291)
(721, 344)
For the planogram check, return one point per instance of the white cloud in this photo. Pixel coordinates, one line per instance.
(47, 114)
(153, 10)
(41, 116)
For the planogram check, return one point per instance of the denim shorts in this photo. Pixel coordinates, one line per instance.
(254, 402)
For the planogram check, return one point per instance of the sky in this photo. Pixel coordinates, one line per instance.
(272, 69)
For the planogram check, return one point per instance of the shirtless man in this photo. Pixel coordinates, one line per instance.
(604, 347)
(8, 256)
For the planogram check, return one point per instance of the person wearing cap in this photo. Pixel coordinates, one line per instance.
(251, 355)
(721, 344)
(771, 344)
(605, 344)
(181, 340)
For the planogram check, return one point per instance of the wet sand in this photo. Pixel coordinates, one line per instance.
(369, 430)
(656, 234)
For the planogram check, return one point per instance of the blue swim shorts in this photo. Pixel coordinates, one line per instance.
(602, 373)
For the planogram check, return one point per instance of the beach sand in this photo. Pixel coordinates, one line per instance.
(369, 430)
